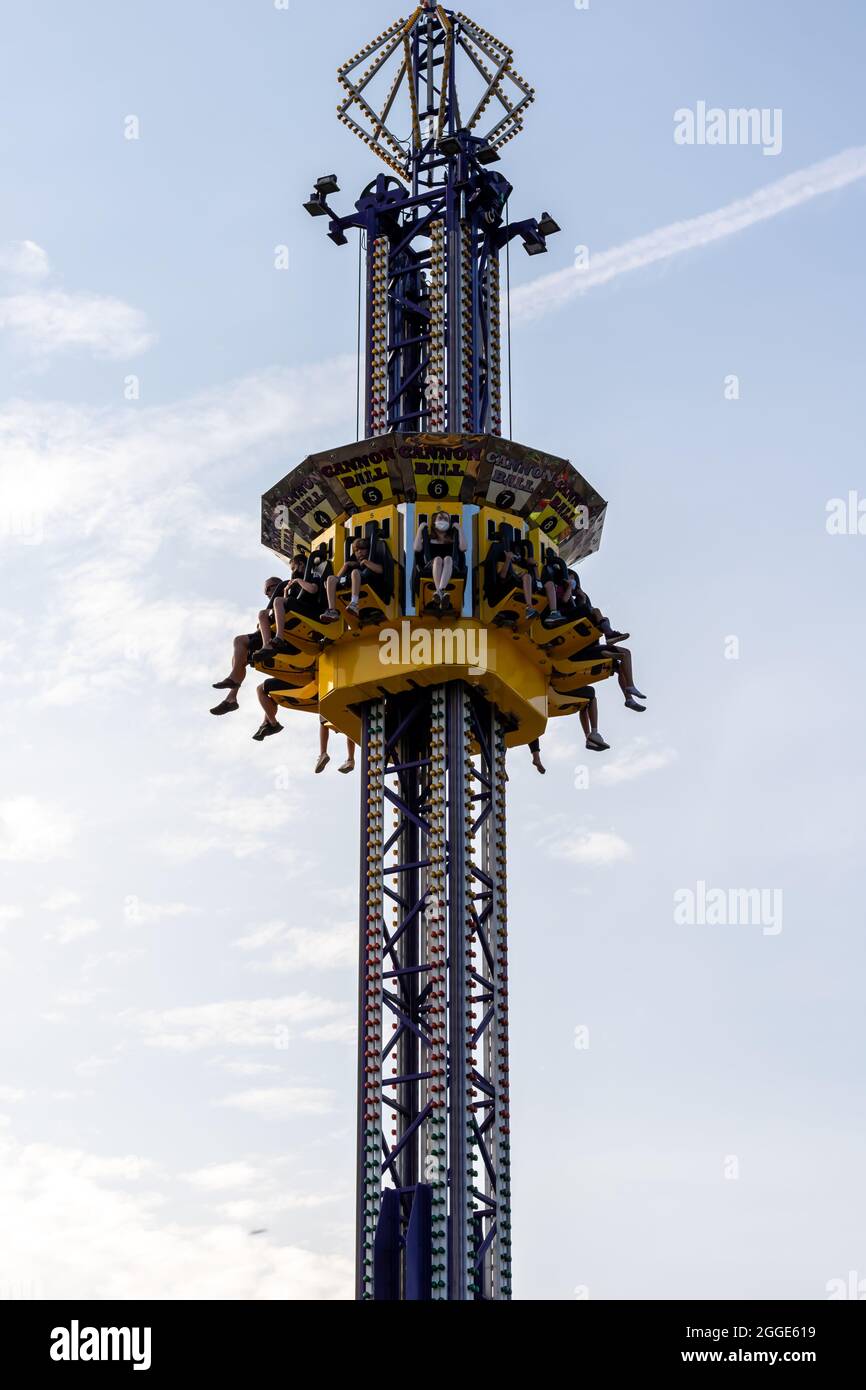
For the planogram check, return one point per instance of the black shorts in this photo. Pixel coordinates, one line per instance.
(272, 686)
(254, 642)
(586, 692)
(369, 579)
(596, 652)
(305, 606)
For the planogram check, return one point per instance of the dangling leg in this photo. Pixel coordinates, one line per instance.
(324, 757)
(270, 726)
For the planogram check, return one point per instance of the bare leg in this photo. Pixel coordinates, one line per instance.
(589, 720)
(535, 750)
(591, 713)
(239, 659)
(279, 617)
(445, 572)
(331, 590)
(349, 764)
(356, 585)
(437, 573)
(550, 590)
(324, 759)
(267, 704)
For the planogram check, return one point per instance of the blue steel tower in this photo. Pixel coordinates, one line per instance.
(436, 98)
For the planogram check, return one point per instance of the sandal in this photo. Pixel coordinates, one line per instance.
(227, 684)
(224, 707)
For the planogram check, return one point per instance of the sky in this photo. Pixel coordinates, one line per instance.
(177, 908)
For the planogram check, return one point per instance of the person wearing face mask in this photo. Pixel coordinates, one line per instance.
(247, 646)
(438, 543)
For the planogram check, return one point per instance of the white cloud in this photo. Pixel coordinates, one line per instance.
(218, 1177)
(249, 1209)
(250, 1068)
(60, 900)
(53, 320)
(8, 914)
(280, 1103)
(550, 292)
(240, 1022)
(33, 831)
(303, 948)
(23, 260)
(73, 928)
(635, 760)
(138, 913)
(77, 477)
(82, 1226)
(10, 1095)
(50, 319)
(597, 848)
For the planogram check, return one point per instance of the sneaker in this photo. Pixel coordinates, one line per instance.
(633, 690)
(323, 762)
(633, 704)
(597, 743)
(347, 766)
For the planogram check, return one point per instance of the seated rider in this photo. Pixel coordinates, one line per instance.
(581, 607)
(301, 596)
(359, 569)
(508, 570)
(246, 647)
(440, 550)
(558, 588)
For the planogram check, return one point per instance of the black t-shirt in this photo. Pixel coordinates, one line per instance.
(441, 542)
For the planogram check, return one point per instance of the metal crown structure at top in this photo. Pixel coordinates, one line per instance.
(404, 59)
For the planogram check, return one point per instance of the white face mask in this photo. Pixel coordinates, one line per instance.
(443, 525)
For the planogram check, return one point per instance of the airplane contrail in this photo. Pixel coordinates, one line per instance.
(542, 296)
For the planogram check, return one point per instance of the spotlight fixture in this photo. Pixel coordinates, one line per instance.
(547, 225)
(327, 185)
(449, 146)
(315, 205)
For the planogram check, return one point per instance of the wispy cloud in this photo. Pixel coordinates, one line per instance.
(281, 1102)
(239, 1022)
(551, 292)
(319, 947)
(50, 319)
(635, 760)
(34, 831)
(593, 848)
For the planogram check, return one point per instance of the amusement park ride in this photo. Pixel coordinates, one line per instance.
(433, 1130)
